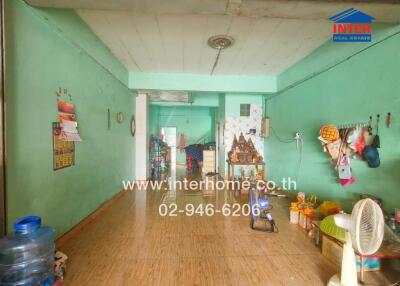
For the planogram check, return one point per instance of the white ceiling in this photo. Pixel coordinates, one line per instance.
(178, 43)
(171, 36)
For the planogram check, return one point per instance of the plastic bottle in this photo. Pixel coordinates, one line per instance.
(294, 213)
(309, 213)
(27, 255)
(302, 219)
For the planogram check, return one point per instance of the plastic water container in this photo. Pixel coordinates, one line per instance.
(27, 255)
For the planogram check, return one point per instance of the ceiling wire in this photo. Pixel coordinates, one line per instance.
(216, 61)
(220, 49)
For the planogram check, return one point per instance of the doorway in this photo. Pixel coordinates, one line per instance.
(169, 137)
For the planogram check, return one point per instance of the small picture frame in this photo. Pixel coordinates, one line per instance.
(120, 117)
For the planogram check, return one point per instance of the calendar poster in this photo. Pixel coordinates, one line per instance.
(63, 151)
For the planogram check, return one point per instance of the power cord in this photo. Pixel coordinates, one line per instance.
(300, 159)
(282, 140)
(297, 139)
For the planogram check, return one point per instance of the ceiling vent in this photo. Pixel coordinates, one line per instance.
(220, 42)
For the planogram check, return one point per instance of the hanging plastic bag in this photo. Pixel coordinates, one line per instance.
(360, 143)
(344, 169)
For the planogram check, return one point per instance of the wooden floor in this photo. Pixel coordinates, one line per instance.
(131, 244)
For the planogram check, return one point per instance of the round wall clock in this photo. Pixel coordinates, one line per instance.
(133, 126)
(120, 117)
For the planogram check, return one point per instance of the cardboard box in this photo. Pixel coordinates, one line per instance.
(333, 251)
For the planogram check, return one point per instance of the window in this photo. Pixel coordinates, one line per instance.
(245, 110)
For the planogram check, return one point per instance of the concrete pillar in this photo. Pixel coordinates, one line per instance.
(142, 137)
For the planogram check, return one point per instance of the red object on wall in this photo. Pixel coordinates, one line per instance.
(388, 119)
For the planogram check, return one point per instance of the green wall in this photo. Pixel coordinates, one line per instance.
(68, 25)
(233, 102)
(328, 55)
(195, 122)
(39, 60)
(205, 83)
(365, 84)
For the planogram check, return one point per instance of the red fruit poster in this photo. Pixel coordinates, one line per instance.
(66, 111)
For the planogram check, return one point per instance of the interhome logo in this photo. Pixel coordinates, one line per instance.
(352, 26)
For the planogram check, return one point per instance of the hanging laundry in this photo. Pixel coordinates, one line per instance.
(194, 157)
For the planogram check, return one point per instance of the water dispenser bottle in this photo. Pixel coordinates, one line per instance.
(27, 255)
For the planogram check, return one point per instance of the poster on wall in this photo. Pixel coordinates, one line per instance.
(67, 119)
(66, 111)
(63, 151)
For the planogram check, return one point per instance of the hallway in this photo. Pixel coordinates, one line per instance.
(131, 244)
(101, 96)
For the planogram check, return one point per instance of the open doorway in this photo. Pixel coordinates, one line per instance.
(169, 137)
(188, 130)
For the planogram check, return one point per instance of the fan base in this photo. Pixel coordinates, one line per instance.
(335, 281)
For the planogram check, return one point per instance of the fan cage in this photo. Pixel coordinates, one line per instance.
(367, 227)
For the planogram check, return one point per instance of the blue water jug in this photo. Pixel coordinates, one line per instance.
(27, 255)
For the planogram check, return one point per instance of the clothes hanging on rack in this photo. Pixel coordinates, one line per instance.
(194, 157)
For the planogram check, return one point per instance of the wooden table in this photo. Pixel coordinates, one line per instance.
(233, 164)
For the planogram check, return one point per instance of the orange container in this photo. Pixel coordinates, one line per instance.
(294, 213)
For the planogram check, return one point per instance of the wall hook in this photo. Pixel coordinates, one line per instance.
(388, 119)
(369, 129)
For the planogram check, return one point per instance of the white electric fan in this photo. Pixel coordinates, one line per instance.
(365, 228)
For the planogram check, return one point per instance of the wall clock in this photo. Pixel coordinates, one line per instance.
(133, 126)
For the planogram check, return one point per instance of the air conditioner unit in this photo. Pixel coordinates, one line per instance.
(168, 96)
